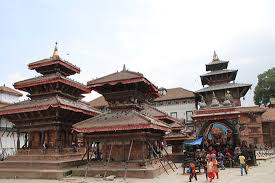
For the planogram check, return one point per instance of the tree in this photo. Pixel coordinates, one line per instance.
(265, 88)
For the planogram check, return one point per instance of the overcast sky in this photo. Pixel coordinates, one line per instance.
(168, 41)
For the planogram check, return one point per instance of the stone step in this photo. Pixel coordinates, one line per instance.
(40, 165)
(33, 173)
(45, 157)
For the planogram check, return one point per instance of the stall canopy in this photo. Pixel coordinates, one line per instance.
(198, 141)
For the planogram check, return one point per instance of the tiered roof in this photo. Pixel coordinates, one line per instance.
(51, 90)
(243, 88)
(50, 78)
(46, 103)
(117, 86)
(10, 91)
(221, 79)
(120, 121)
(54, 64)
(216, 64)
(54, 80)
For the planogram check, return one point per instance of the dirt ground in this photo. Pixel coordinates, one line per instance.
(263, 173)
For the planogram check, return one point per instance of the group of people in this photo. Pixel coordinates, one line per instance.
(214, 161)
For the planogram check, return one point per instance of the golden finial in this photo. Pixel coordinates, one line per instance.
(215, 57)
(124, 67)
(55, 52)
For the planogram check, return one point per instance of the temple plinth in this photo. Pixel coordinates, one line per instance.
(125, 136)
(46, 119)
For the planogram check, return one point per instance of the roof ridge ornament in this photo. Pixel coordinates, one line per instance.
(215, 102)
(55, 52)
(124, 68)
(215, 57)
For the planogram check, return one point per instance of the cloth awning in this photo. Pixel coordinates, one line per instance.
(198, 141)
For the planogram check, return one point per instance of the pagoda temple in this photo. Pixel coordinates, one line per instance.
(220, 103)
(221, 83)
(46, 119)
(128, 139)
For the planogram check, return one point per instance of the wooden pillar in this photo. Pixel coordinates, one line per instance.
(88, 149)
(142, 150)
(30, 139)
(26, 140)
(18, 140)
(48, 137)
(42, 140)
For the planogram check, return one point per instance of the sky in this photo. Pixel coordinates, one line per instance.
(168, 41)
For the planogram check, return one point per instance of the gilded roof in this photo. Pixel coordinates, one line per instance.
(10, 91)
(269, 115)
(43, 104)
(119, 120)
(176, 93)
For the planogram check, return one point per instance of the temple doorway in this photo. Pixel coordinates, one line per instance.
(220, 135)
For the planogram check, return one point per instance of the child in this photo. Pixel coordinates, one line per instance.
(242, 164)
(192, 171)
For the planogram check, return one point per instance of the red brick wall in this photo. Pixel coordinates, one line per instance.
(253, 132)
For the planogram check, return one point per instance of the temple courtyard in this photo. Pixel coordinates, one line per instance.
(263, 173)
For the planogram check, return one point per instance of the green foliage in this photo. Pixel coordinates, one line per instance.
(265, 88)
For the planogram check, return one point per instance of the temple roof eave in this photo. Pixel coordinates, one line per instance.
(225, 86)
(54, 102)
(51, 61)
(124, 81)
(120, 120)
(121, 128)
(54, 78)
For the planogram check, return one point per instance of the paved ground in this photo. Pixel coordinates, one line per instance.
(264, 173)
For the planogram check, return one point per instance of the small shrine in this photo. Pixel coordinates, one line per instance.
(125, 140)
(45, 119)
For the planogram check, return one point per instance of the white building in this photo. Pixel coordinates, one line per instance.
(8, 134)
(178, 103)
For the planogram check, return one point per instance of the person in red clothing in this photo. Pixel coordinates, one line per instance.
(192, 171)
(210, 172)
(215, 166)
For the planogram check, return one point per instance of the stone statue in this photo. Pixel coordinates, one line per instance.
(228, 99)
(202, 103)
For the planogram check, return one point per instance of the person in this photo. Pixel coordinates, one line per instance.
(221, 158)
(192, 172)
(215, 166)
(210, 173)
(242, 164)
(44, 148)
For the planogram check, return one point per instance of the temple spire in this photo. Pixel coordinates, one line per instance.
(215, 57)
(124, 67)
(55, 52)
